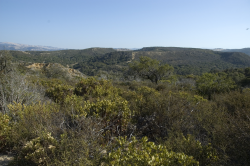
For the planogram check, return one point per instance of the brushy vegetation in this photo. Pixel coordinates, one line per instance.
(181, 120)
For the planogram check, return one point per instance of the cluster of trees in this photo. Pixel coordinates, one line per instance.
(114, 62)
(164, 119)
(5, 58)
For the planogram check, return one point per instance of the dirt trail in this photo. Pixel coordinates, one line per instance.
(133, 57)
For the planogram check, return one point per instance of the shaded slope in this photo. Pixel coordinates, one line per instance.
(64, 57)
(193, 60)
(110, 62)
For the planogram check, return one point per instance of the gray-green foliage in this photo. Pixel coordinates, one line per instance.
(13, 85)
(15, 88)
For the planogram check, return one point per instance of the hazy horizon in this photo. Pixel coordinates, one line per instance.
(132, 48)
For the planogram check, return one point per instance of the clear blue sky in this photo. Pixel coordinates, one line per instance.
(79, 24)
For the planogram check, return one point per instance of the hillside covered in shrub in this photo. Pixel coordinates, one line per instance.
(48, 118)
(95, 61)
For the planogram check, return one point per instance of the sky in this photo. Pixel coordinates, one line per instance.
(80, 24)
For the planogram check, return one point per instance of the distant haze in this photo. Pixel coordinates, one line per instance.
(24, 47)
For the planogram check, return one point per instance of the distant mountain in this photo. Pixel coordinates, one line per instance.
(24, 47)
(126, 49)
(122, 49)
(218, 49)
(243, 50)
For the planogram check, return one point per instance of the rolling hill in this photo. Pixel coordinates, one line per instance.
(64, 57)
(185, 60)
(93, 60)
(195, 61)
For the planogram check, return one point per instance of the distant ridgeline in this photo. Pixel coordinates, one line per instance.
(196, 61)
(64, 57)
(243, 50)
(93, 60)
(25, 47)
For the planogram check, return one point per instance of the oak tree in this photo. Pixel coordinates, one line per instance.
(151, 69)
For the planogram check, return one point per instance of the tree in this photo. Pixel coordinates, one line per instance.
(5, 58)
(151, 69)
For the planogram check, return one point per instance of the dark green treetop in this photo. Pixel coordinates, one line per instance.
(151, 69)
(5, 58)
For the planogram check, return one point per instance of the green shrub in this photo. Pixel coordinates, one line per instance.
(46, 150)
(111, 111)
(59, 92)
(35, 145)
(5, 131)
(209, 84)
(93, 88)
(31, 121)
(39, 150)
(205, 154)
(143, 153)
(233, 133)
(72, 150)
